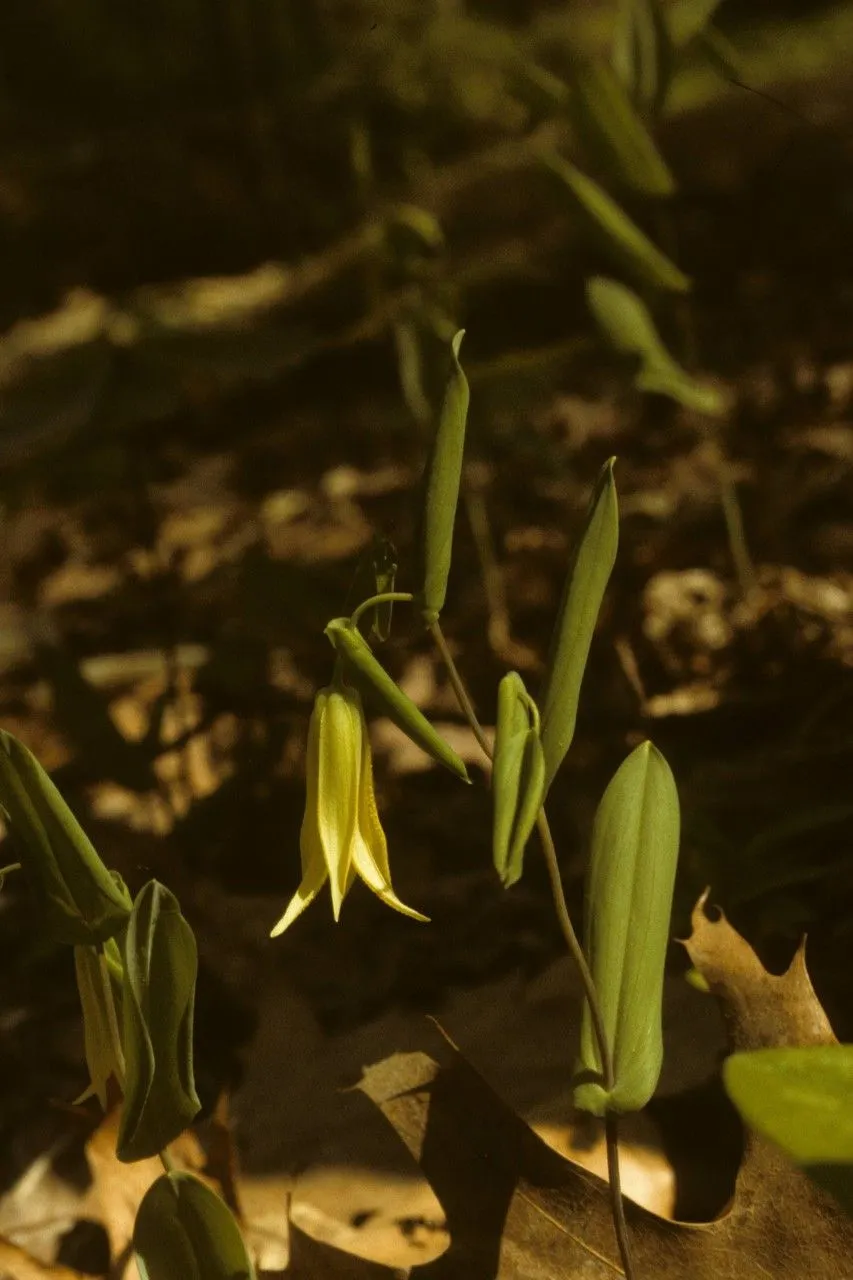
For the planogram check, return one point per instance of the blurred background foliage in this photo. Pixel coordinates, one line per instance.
(236, 238)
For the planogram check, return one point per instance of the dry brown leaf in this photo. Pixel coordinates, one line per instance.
(17, 1264)
(517, 1210)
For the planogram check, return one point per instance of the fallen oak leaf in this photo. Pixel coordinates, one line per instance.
(518, 1210)
(17, 1264)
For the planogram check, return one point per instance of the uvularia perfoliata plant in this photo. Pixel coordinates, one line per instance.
(341, 835)
(627, 907)
(518, 776)
(184, 1231)
(82, 901)
(582, 597)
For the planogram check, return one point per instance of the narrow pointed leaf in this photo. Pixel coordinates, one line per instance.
(442, 491)
(160, 967)
(628, 903)
(619, 233)
(372, 680)
(83, 902)
(518, 777)
(385, 573)
(582, 597)
(614, 132)
(626, 323)
(642, 52)
(801, 1099)
(185, 1231)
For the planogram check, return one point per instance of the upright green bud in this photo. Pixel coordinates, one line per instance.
(518, 776)
(642, 52)
(160, 967)
(442, 494)
(584, 591)
(628, 902)
(616, 133)
(366, 672)
(83, 901)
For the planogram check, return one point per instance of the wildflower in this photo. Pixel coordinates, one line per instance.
(341, 834)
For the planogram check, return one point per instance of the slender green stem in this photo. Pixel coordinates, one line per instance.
(112, 1019)
(575, 951)
(384, 597)
(167, 1160)
(617, 1203)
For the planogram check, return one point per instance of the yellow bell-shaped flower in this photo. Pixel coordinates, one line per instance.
(341, 834)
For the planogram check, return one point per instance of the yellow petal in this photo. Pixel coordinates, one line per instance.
(312, 883)
(334, 803)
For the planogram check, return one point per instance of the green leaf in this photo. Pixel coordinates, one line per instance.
(642, 52)
(442, 491)
(371, 679)
(184, 1231)
(801, 1099)
(582, 596)
(627, 908)
(385, 573)
(160, 966)
(626, 323)
(619, 233)
(82, 901)
(615, 134)
(518, 777)
(688, 18)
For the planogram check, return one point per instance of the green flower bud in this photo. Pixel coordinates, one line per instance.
(364, 670)
(518, 776)
(93, 971)
(628, 902)
(341, 834)
(83, 901)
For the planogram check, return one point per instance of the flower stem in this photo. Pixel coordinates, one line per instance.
(384, 597)
(575, 951)
(4, 871)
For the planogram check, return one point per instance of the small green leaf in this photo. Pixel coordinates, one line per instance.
(584, 591)
(83, 902)
(619, 233)
(626, 323)
(801, 1099)
(160, 966)
(615, 133)
(185, 1231)
(642, 52)
(518, 777)
(442, 491)
(371, 679)
(627, 908)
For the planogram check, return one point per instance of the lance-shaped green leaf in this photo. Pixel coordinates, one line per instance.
(518, 777)
(442, 489)
(626, 323)
(642, 52)
(615, 134)
(371, 679)
(622, 236)
(801, 1099)
(160, 966)
(627, 907)
(83, 901)
(582, 596)
(100, 998)
(185, 1231)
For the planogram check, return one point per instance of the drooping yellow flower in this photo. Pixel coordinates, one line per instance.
(341, 835)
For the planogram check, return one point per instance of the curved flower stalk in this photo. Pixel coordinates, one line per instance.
(341, 835)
